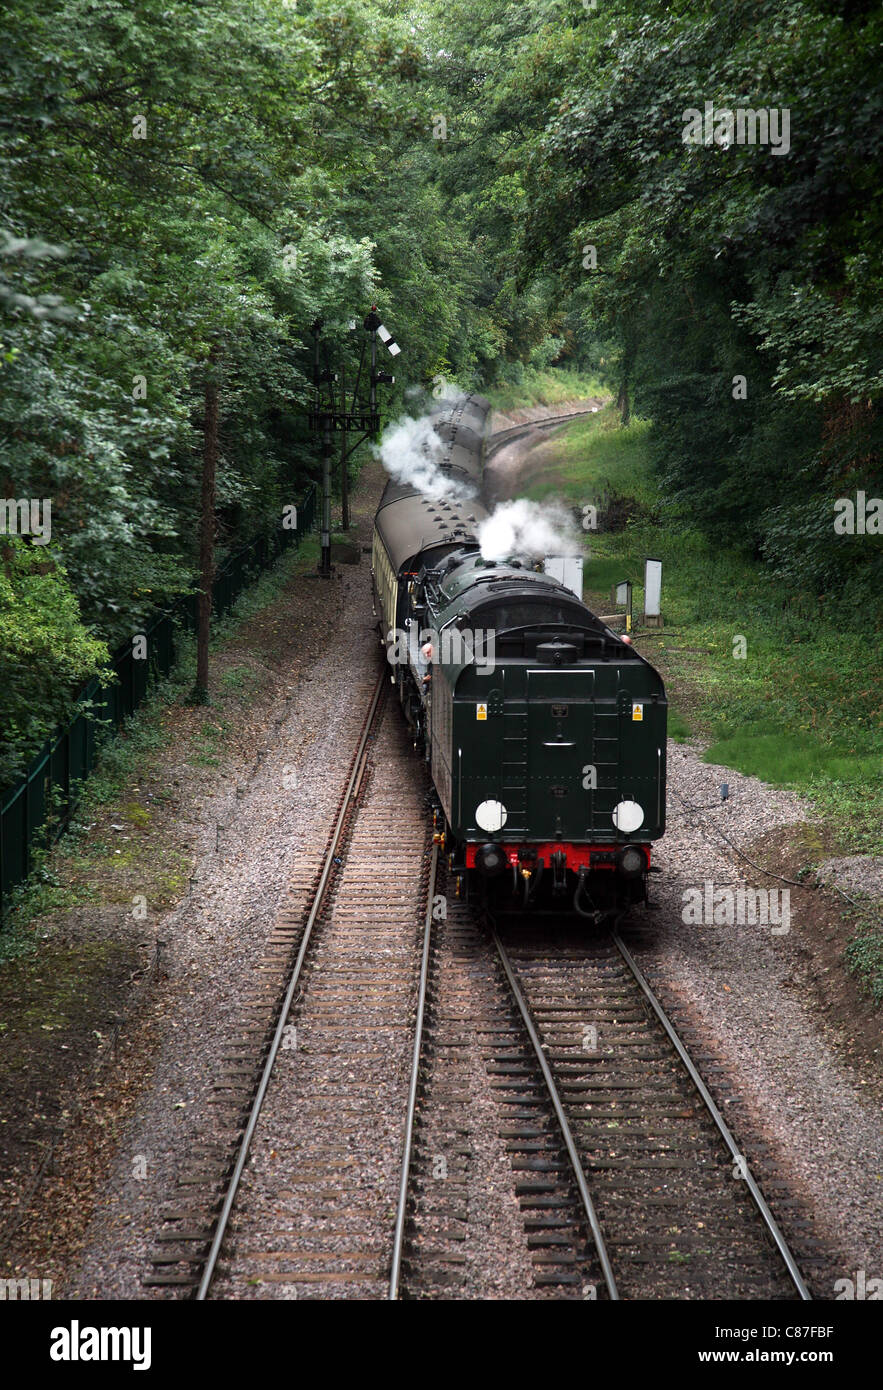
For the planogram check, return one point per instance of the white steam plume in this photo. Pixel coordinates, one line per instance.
(531, 529)
(412, 452)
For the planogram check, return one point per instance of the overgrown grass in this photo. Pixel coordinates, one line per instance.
(678, 728)
(270, 583)
(549, 387)
(804, 706)
(595, 455)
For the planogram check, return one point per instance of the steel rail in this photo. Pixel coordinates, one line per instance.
(401, 1209)
(318, 898)
(500, 437)
(570, 1144)
(726, 1134)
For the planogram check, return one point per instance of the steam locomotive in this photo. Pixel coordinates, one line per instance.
(544, 730)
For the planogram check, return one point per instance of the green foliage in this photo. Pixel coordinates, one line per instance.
(44, 648)
(864, 956)
(716, 262)
(804, 707)
(526, 386)
(179, 179)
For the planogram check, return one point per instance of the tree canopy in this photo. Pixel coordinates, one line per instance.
(510, 183)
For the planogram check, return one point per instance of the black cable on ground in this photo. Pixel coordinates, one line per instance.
(698, 810)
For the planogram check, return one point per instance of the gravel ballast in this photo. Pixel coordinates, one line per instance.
(819, 1115)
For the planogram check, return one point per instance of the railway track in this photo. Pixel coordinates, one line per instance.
(500, 438)
(486, 1129)
(439, 1068)
(306, 1209)
(192, 1229)
(628, 1180)
(681, 1211)
(314, 1210)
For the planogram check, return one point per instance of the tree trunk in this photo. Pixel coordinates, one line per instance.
(623, 404)
(344, 466)
(207, 529)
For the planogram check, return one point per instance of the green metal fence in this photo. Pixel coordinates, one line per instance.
(49, 787)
